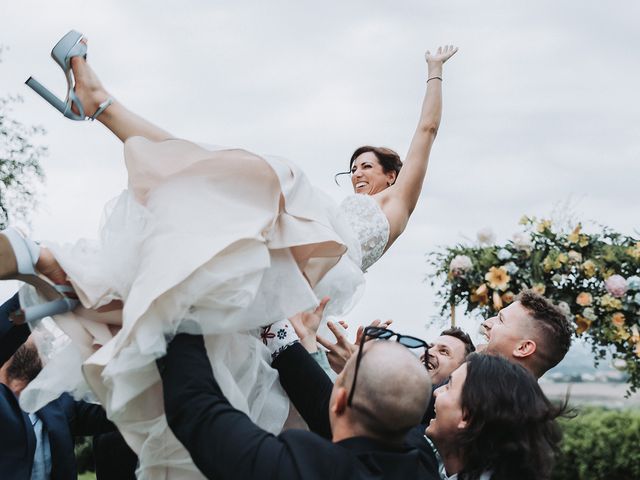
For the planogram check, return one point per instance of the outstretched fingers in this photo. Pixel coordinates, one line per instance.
(321, 306)
(442, 54)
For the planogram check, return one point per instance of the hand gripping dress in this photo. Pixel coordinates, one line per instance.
(216, 241)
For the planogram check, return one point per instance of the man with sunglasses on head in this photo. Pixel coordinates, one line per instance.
(361, 420)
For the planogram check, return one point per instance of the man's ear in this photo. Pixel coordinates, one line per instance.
(525, 348)
(339, 404)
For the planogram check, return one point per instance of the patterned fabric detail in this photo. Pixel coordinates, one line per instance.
(278, 337)
(369, 224)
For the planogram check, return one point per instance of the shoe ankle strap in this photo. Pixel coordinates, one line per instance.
(101, 108)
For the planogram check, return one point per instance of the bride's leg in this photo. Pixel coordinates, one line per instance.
(122, 122)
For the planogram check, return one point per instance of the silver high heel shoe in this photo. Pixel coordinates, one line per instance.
(68, 47)
(18, 256)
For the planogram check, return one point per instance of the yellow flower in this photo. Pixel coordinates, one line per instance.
(638, 349)
(610, 303)
(618, 319)
(635, 334)
(622, 334)
(582, 324)
(508, 297)
(539, 288)
(524, 220)
(584, 240)
(584, 299)
(589, 268)
(497, 301)
(634, 251)
(554, 261)
(543, 226)
(574, 236)
(481, 295)
(498, 278)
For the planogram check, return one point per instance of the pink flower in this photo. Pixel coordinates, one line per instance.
(616, 285)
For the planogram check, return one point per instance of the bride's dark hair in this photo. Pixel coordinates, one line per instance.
(389, 160)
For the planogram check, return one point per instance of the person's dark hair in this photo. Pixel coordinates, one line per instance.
(461, 335)
(511, 429)
(25, 364)
(551, 325)
(389, 159)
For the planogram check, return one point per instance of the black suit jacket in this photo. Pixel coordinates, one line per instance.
(63, 418)
(225, 444)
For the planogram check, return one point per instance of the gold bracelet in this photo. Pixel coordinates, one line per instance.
(434, 78)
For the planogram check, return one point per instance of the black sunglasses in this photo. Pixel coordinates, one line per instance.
(382, 334)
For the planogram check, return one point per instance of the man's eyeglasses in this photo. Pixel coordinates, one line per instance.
(382, 334)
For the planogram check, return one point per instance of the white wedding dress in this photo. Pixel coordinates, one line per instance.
(224, 239)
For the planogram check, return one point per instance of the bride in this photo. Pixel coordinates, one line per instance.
(219, 241)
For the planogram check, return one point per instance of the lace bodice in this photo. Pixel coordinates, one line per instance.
(369, 224)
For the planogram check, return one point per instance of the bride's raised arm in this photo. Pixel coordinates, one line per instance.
(399, 200)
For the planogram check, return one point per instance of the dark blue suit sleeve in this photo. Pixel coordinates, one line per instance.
(308, 387)
(223, 442)
(11, 335)
(85, 418)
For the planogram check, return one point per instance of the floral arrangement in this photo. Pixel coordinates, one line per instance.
(593, 278)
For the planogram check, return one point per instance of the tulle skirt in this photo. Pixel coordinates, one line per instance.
(206, 240)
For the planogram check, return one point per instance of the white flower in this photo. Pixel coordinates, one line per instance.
(636, 298)
(486, 236)
(633, 282)
(522, 241)
(589, 314)
(557, 278)
(566, 309)
(460, 263)
(504, 254)
(511, 268)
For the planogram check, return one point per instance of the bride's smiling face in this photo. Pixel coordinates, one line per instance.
(368, 176)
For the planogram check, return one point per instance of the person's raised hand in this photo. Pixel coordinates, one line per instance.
(375, 323)
(306, 325)
(441, 55)
(337, 353)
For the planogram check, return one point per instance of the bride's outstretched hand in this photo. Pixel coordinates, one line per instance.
(441, 55)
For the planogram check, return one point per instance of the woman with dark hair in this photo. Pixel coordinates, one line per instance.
(492, 421)
(221, 241)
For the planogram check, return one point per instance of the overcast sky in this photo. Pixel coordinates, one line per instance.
(540, 105)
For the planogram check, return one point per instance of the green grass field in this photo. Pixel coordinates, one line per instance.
(87, 476)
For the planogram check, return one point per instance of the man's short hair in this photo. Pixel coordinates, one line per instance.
(461, 335)
(551, 325)
(25, 364)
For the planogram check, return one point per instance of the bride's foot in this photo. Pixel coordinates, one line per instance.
(50, 268)
(88, 87)
(19, 259)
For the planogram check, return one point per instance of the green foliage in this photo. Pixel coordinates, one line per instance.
(573, 269)
(84, 454)
(20, 170)
(600, 445)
